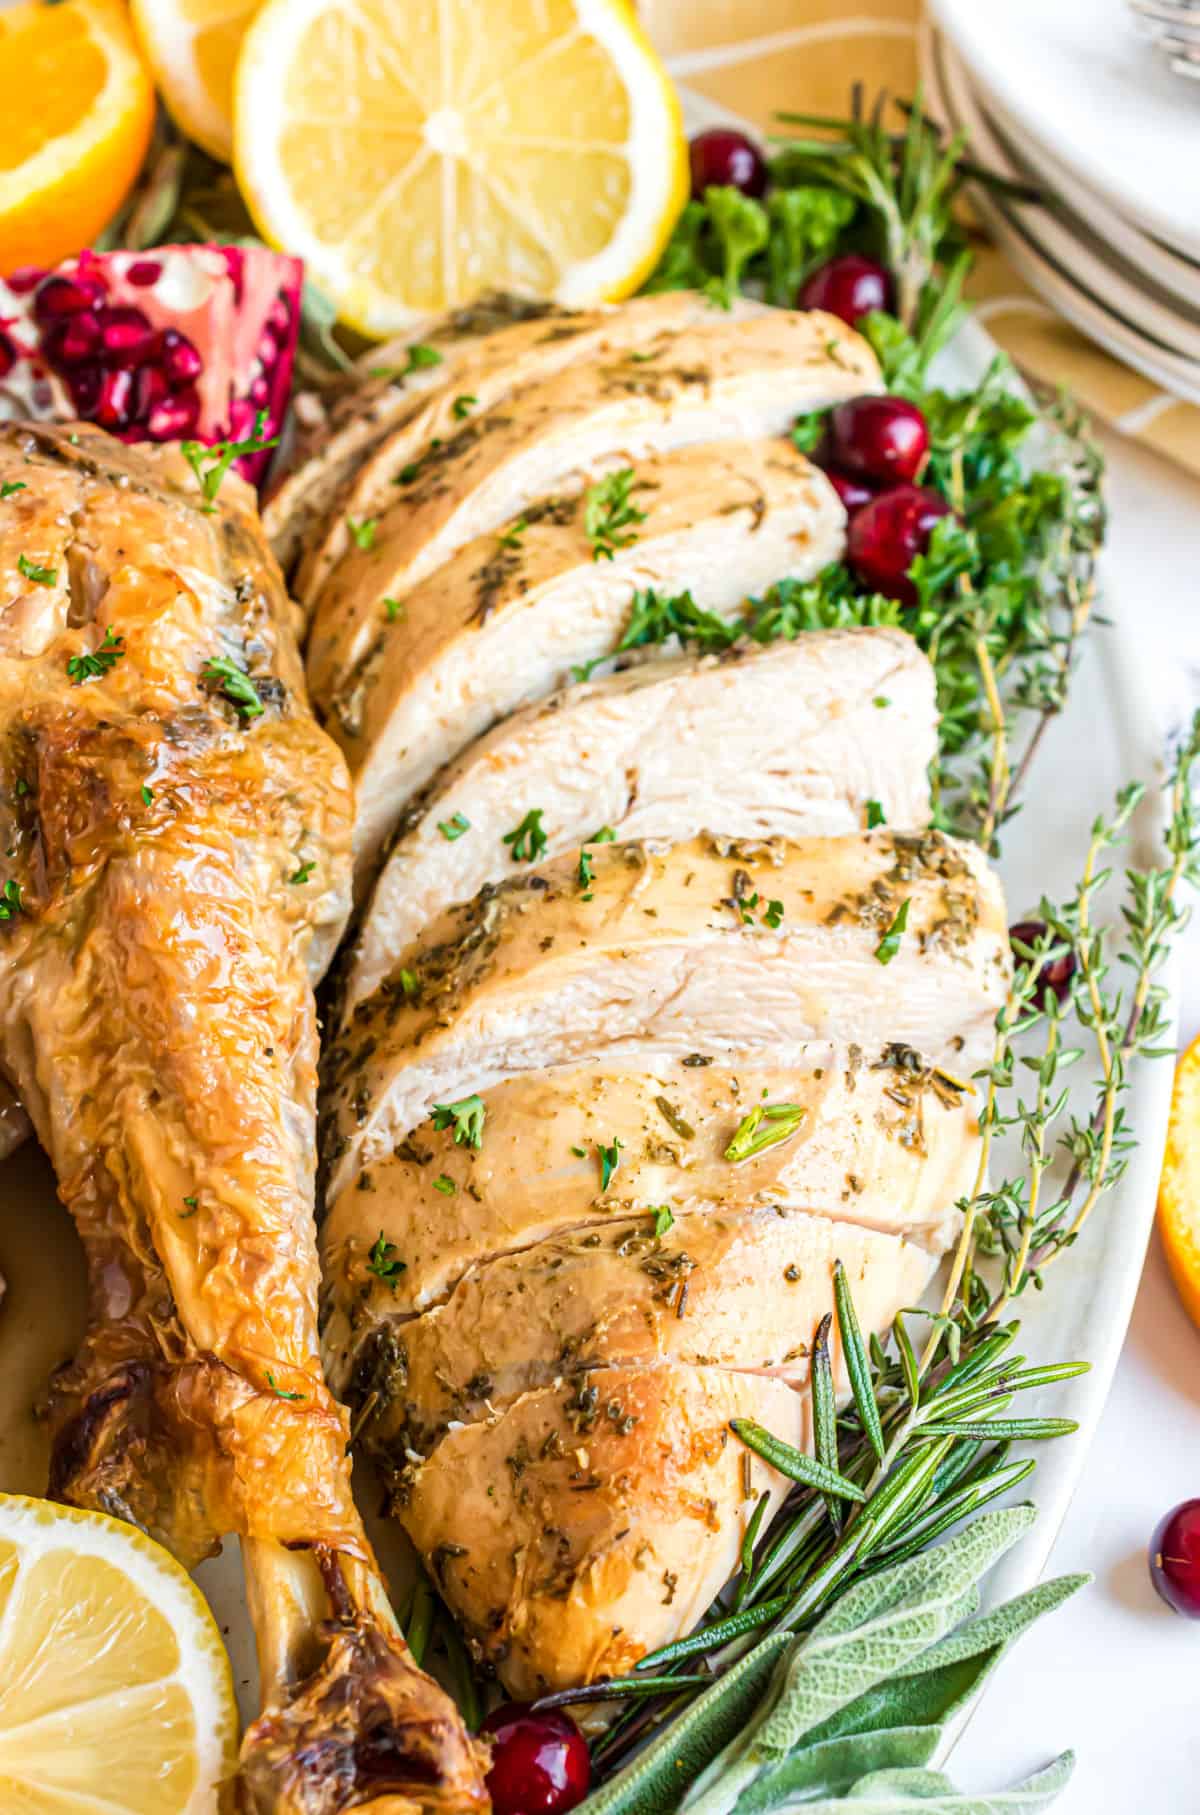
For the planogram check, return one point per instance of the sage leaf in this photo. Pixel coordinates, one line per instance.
(651, 1783)
(918, 1792)
(836, 1765)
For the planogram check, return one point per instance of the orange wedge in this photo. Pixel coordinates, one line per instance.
(76, 113)
(1179, 1191)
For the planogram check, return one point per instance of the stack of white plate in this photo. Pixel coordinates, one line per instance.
(1066, 97)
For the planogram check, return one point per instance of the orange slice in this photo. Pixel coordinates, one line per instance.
(77, 110)
(1179, 1191)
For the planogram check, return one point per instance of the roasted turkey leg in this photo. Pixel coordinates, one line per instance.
(177, 833)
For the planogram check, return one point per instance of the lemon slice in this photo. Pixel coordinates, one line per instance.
(1179, 1192)
(192, 47)
(418, 152)
(117, 1694)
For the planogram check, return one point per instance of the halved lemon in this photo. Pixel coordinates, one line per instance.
(418, 152)
(117, 1694)
(192, 47)
(1179, 1191)
(76, 114)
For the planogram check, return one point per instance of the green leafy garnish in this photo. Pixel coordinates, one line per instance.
(384, 1263)
(10, 486)
(234, 683)
(766, 1126)
(663, 1220)
(466, 1117)
(511, 537)
(608, 515)
(610, 1159)
(419, 357)
(889, 945)
(605, 835)
(463, 406)
(773, 917)
(394, 608)
(527, 841)
(363, 533)
(454, 827)
(303, 870)
(281, 1392)
(147, 794)
(654, 617)
(97, 662)
(41, 576)
(875, 815)
(445, 1185)
(10, 900)
(210, 464)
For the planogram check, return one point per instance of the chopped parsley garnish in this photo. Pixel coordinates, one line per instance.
(419, 357)
(579, 1152)
(587, 872)
(881, 700)
(654, 617)
(511, 537)
(610, 1159)
(463, 406)
(527, 842)
(454, 827)
(774, 914)
(303, 870)
(41, 576)
(766, 1125)
(147, 793)
(281, 1392)
(408, 983)
(236, 685)
(191, 1203)
(889, 945)
(91, 666)
(210, 464)
(608, 515)
(466, 1117)
(395, 608)
(10, 486)
(605, 835)
(10, 900)
(363, 532)
(875, 815)
(583, 671)
(383, 1263)
(445, 1185)
(663, 1220)
(807, 430)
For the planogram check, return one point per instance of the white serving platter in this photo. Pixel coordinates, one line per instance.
(1108, 735)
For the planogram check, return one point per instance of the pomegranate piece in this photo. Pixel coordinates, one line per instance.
(190, 342)
(881, 438)
(1174, 1559)
(850, 286)
(886, 536)
(721, 158)
(540, 1762)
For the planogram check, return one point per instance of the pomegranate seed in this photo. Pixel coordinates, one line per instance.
(853, 491)
(125, 333)
(174, 418)
(260, 393)
(1053, 978)
(267, 351)
(61, 296)
(1175, 1559)
(114, 404)
(280, 318)
(8, 355)
(540, 1763)
(849, 286)
(887, 535)
(85, 383)
(150, 389)
(72, 342)
(181, 362)
(24, 279)
(242, 416)
(720, 157)
(144, 272)
(884, 438)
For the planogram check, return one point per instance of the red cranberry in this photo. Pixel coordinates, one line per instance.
(174, 418)
(849, 286)
(61, 296)
(24, 279)
(144, 272)
(853, 491)
(887, 535)
(720, 157)
(125, 333)
(882, 438)
(1053, 978)
(540, 1763)
(180, 361)
(1174, 1559)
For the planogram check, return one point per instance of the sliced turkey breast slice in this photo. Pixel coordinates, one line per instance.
(742, 1289)
(663, 751)
(499, 627)
(710, 946)
(478, 374)
(613, 1513)
(736, 381)
(882, 1142)
(329, 442)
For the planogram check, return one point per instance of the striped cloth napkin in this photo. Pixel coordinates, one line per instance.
(756, 56)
